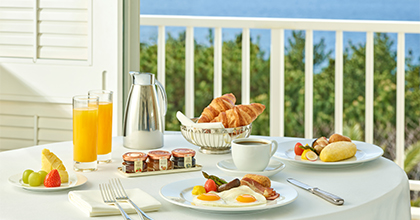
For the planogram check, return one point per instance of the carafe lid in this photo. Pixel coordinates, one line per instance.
(142, 78)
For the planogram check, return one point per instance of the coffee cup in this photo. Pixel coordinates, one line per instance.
(252, 154)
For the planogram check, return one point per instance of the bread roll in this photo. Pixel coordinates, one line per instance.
(338, 137)
(337, 151)
(263, 180)
(217, 105)
(240, 115)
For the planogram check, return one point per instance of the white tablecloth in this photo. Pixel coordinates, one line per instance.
(373, 190)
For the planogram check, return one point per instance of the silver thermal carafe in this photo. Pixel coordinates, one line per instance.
(144, 113)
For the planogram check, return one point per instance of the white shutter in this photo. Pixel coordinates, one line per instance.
(46, 30)
(16, 28)
(50, 51)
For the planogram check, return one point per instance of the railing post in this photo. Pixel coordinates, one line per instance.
(369, 88)
(400, 100)
(277, 83)
(161, 55)
(338, 115)
(246, 60)
(189, 72)
(217, 90)
(309, 75)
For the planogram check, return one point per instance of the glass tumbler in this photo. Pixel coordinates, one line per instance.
(104, 124)
(85, 132)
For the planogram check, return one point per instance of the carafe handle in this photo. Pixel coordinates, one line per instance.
(162, 96)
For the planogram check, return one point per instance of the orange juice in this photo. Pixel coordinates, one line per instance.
(105, 128)
(85, 133)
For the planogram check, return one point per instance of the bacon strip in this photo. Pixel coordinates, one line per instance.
(267, 192)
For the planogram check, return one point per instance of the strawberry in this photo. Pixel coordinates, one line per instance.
(52, 179)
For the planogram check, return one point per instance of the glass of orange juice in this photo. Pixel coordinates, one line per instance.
(104, 124)
(85, 132)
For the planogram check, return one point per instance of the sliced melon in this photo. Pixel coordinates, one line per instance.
(50, 161)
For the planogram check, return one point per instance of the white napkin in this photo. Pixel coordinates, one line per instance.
(91, 203)
(187, 122)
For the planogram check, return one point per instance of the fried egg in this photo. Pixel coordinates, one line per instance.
(209, 199)
(237, 197)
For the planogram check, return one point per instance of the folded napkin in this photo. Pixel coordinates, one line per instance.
(91, 203)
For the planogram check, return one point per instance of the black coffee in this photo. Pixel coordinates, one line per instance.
(251, 143)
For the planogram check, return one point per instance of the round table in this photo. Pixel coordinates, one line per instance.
(377, 189)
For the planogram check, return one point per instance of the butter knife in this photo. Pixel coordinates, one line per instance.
(314, 190)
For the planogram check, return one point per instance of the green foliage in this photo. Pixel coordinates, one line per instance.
(324, 89)
(412, 92)
(412, 157)
(295, 85)
(415, 203)
(353, 130)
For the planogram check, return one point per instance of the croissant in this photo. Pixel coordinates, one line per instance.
(240, 115)
(218, 105)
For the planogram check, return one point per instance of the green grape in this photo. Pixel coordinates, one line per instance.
(25, 175)
(43, 174)
(35, 179)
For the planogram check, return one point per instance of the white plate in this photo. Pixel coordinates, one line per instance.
(75, 180)
(228, 166)
(179, 193)
(365, 152)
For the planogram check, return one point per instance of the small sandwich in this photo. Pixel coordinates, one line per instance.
(260, 184)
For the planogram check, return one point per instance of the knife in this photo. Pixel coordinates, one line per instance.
(314, 190)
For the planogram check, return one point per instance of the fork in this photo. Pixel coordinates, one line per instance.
(122, 195)
(109, 198)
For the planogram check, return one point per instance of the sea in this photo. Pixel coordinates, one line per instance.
(394, 10)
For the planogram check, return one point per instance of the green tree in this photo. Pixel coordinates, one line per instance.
(324, 88)
(323, 104)
(295, 84)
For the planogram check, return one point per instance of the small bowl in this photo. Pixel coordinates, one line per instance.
(214, 140)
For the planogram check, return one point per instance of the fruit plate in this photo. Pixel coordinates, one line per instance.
(365, 152)
(75, 180)
(179, 193)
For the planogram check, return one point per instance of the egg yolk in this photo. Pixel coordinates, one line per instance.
(208, 197)
(245, 198)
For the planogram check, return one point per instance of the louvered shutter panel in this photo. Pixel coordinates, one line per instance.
(46, 30)
(16, 29)
(50, 51)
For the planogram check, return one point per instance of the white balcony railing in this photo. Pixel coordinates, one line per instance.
(277, 27)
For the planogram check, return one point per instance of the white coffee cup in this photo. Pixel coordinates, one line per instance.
(252, 154)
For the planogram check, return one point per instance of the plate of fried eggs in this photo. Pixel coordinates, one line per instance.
(238, 199)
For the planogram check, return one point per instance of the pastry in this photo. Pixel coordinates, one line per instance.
(338, 137)
(50, 161)
(218, 105)
(337, 151)
(240, 115)
(319, 144)
(263, 180)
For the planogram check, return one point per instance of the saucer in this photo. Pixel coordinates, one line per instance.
(274, 166)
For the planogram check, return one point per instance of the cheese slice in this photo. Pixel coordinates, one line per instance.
(50, 161)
